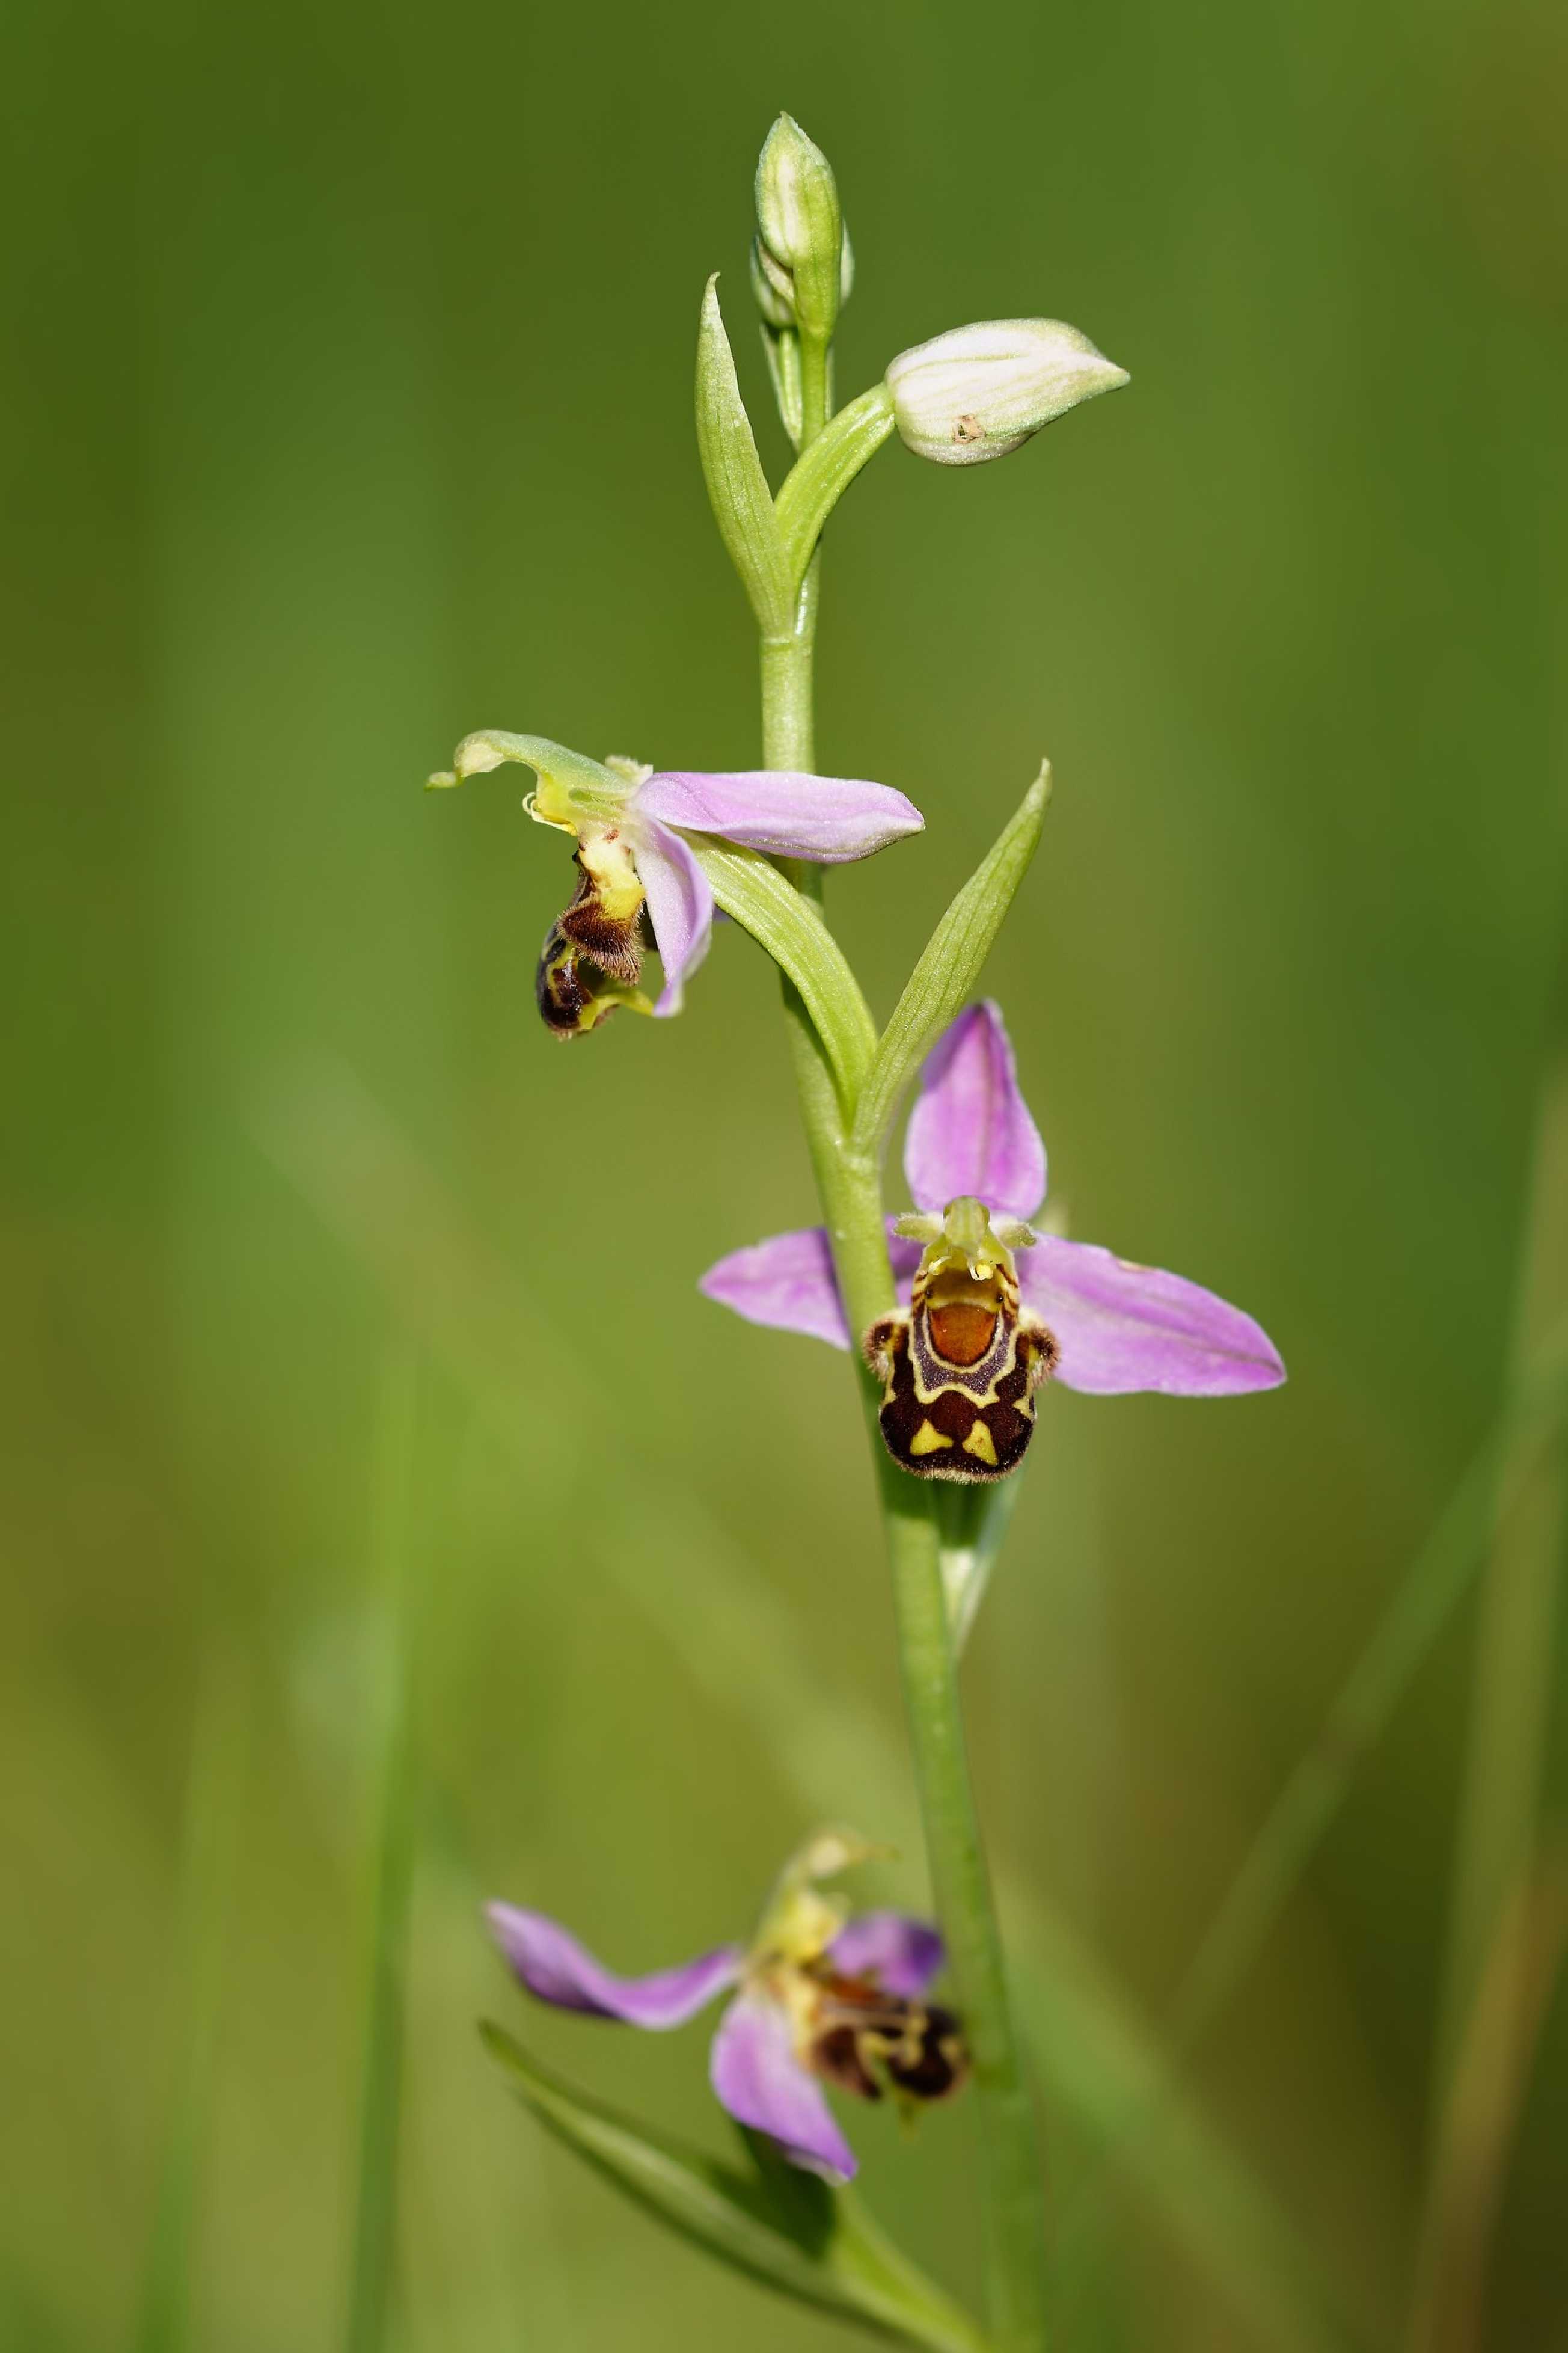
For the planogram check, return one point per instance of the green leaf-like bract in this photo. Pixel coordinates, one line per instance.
(784, 2228)
(970, 1521)
(737, 487)
(941, 984)
(821, 475)
(790, 926)
(781, 349)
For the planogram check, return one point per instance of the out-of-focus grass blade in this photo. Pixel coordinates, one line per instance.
(1496, 1926)
(1432, 1589)
(1491, 2071)
(486, 2266)
(795, 2235)
(1102, 2064)
(1519, 1630)
(23, 2324)
(395, 1555)
(209, 1845)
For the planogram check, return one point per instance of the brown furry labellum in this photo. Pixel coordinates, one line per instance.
(959, 1369)
(591, 958)
(867, 2041)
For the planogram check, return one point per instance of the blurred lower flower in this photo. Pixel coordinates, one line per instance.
(639, 874)
(821, 1997)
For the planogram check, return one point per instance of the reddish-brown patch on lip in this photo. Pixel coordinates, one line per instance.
(864, 2037)
(961, 1333)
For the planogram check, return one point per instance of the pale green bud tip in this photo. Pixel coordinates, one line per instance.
(476, 755)
(979, 392)
(833, 1851)
(801, 265)
(797, 196)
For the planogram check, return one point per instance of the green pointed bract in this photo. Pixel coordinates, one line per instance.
(972, 1520)
(818, 480)
(785, 2229)
(781, 349)
(943, 980)
(737, 487)
(754, 894)
(770, 289)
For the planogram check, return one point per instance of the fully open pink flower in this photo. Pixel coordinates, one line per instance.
(1118, 1326)
(632, 825)
(822, 1998)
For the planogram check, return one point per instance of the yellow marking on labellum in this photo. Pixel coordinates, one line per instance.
(607, 859)
(927, 1441)
(980, 1444)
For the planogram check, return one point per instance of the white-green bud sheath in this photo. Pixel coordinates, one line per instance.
(801, 263)
(773, 286)
(980, 392)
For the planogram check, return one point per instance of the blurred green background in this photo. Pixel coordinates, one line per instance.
(353, 1343)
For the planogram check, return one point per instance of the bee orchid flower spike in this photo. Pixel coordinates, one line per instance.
(820, 1997)
(981, 1329)
(962, 1309)
(639, 874)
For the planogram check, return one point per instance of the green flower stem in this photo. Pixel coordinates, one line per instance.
(787, 730)
(1009, 2147)
(815, 372)
(850, 1190)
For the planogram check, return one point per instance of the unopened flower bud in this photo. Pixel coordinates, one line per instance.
(801, 264)
(772, 285)
(979, 392)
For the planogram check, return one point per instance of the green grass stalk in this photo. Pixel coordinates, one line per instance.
(394, 1568)
(209, 1845)
(1529, 1429)
(1490, 1960)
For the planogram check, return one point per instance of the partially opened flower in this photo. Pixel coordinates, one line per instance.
(983, 1328)
(821, 1997)
(638, 874)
